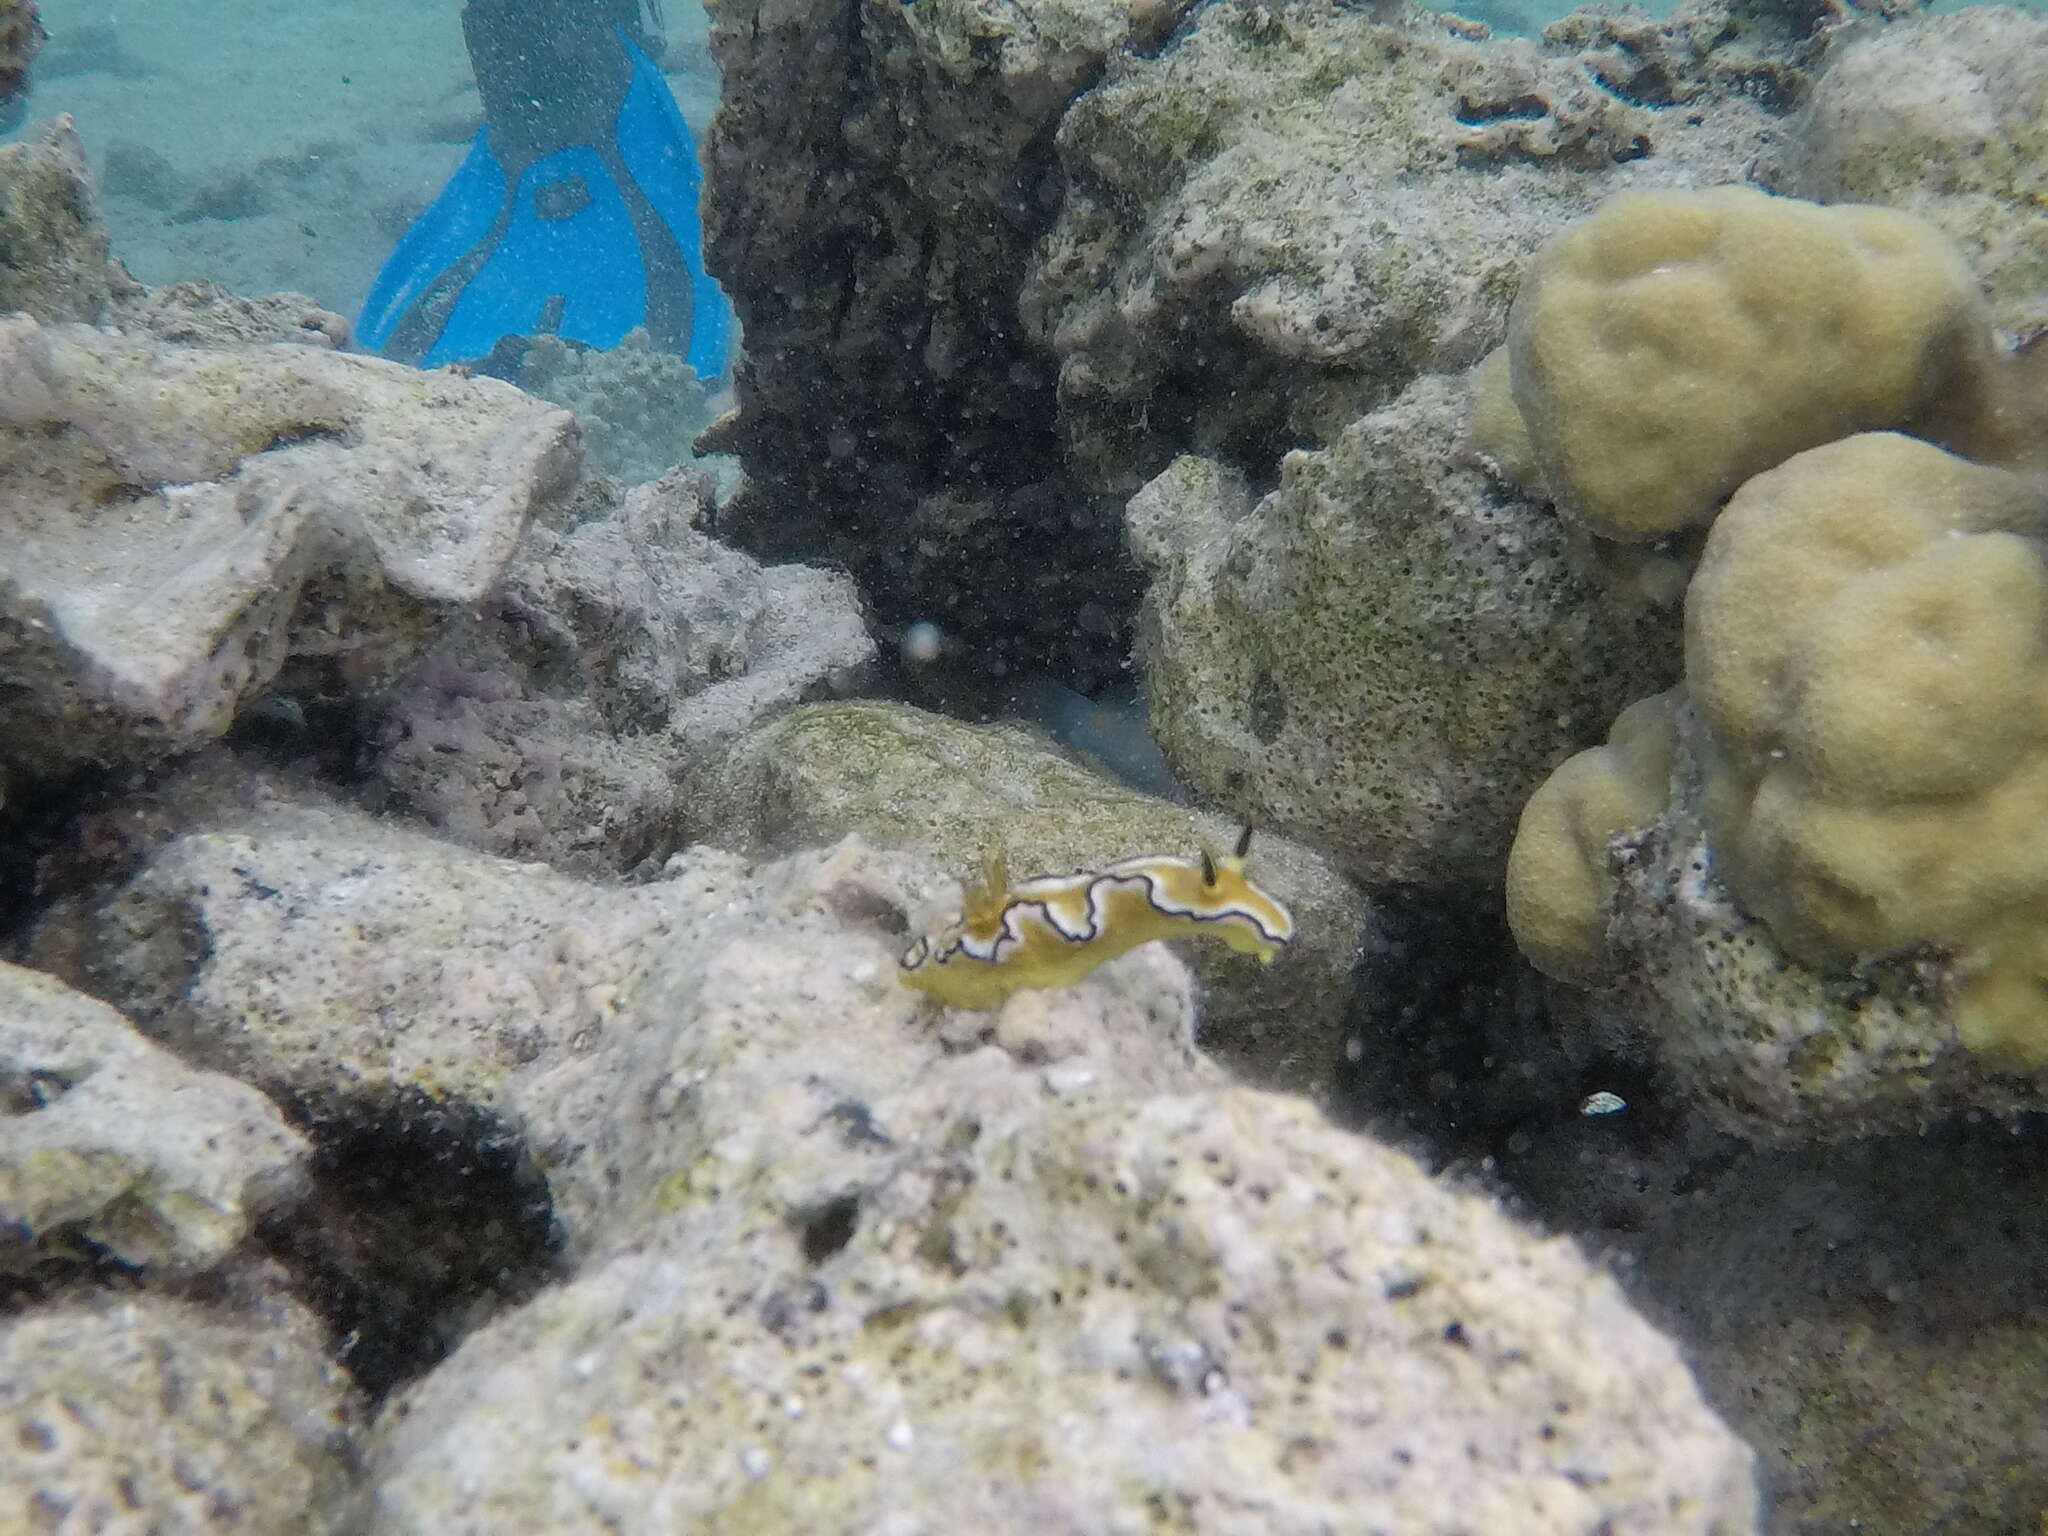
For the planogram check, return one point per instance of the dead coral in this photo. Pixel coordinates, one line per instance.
(1707, 48)
(1518, 105)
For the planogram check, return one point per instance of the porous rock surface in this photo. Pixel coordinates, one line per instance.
(571, 717)
(876, 180)
(1386, 653)
(182, 529)
(1945, 117)
(1276, 223)
(55, 251)
(1870, 1314)
(840, 1258)
(1291, 229)
(201, 313)
(1704, 51)
(108, 1138)
(1203, 1312)
(145, 1413)
(1867, 1312)
(342, 963)
(908, 779)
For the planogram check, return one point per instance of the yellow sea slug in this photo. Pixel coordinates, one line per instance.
(1051, 930)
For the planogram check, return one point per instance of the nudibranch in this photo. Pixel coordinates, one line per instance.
(1052, 930)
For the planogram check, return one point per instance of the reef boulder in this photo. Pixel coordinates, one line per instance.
(55, 264)
(825, 1256)
(109, 1144)
(1281, 219)
(117, 1410)
(1945, 117)
(21, 34)
(183, 529)
(1385, 653)
(574, 714)
(877, 180)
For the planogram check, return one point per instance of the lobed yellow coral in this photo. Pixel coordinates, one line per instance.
(1676, 343)
(1867, 630)
(1497, 428)
(1867, 644)
(1559, 884)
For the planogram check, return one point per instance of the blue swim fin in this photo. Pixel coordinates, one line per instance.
(587, 241)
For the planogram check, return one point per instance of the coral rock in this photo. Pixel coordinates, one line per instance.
(111, 1139)
(212, 524)
(144, 1413)
(21, 34)
(53, 252)
(569, 718)
(1945, 117)
(958, 792)
(1383, 655)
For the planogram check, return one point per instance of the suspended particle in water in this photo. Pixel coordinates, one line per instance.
(921, 643)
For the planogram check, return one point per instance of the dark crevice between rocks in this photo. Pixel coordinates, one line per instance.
(83, 833)
(334, 739)
(1454, 1053)
(58, 838)
(1146, 43)
(1524, 108)
(1438, 1017)
(1223, 397)
(61, 1266)
(299, 433)
(1455, 1057)
(426, 1219)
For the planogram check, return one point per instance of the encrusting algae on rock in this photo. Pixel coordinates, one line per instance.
(1052, 930)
